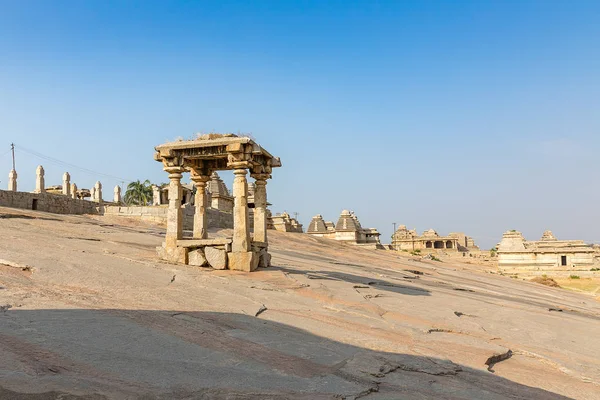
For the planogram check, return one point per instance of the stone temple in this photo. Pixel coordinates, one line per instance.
(409, 240)
(201, 157)
(347, 229)
(515, 254)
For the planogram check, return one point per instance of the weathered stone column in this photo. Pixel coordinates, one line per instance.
(66, 186)
(117, 196)
(174, 215)
(98, 192)
(155, 196)
(260, 207)
(73, 190)
(200, 220)
(99, 199)
(12, 181)
(39, 180)
(241, 231)
(93, 194)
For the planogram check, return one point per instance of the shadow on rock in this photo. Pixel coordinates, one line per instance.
(387, 285)
(150, 354)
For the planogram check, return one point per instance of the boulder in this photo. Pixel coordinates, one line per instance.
(217, 258)
(197, 258)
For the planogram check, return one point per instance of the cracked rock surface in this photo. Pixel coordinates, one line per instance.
(103, 318)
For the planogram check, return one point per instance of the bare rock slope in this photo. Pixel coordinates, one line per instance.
(88, 312)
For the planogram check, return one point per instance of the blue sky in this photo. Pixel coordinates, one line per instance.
(474, 116)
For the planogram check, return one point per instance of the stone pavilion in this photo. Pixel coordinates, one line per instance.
(201, 157)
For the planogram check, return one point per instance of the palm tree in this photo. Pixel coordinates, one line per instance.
(139, 193)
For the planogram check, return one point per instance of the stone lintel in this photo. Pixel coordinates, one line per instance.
(204, 242)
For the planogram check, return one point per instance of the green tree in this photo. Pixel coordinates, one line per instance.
(138, 193)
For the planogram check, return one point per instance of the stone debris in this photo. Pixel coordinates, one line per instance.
(373, 296)
(461, 314)
(265, 288)
(414, 271)
(5, 308)
(439, 330)
(261, 310)
(496, 358)
(173, 279)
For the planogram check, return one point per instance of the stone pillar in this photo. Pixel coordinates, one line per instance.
(99, 197)
(155, 195)
(12, 181)
(73, 190)
(117, 196)
(39, 180)
(93, 194)
(260, 207)
(66, 186)
(241, 231)
(98, 192)
(200, 220)
(174, 214)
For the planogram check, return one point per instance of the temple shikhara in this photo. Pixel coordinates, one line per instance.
(347, 229)
(202, 157)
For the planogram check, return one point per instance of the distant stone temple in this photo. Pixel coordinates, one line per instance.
(218, 196)
(515, 254)
(284, 223)
(409, 240)
(347, 229)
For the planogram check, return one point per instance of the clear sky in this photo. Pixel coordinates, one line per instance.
(473, 116)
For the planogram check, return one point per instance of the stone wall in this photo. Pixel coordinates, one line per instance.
(158, 215)
(53, 203)
(546, 262)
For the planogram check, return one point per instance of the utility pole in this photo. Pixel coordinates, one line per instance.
(393, 223)
(296, 215)
(12, 148)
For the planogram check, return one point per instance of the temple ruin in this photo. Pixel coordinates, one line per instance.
(59, 199)
(218, 196)
(284, 223)
(515, 254)
(201, 157)
(348, 229)
(409, 240)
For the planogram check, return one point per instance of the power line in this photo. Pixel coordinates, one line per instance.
(66, 164)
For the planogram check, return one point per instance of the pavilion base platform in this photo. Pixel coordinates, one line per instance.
(216, 253)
